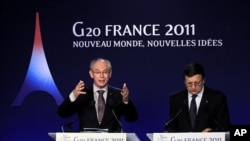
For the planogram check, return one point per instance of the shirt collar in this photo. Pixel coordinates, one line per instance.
(95, 88)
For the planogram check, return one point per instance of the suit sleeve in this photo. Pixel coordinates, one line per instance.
(68, 108)
(130, 112)
(222, 118)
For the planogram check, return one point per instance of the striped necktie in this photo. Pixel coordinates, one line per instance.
(101, 105)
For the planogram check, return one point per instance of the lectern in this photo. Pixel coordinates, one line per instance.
(189, 136)
(86, 136)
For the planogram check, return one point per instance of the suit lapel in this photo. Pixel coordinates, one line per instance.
(93, 110)
(187, 121)
(204, 102)
(203, 108)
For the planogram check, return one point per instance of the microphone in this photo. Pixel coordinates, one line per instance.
(68, 126)
(120, 124)
(220, 128)
(218, 125)
(185, 102)
(110, 103)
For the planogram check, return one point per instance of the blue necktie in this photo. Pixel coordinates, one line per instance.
(193, 110)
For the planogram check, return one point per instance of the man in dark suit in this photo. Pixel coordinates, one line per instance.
(207, 112)
(85, 101)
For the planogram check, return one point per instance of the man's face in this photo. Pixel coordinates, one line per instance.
(194, 84)
(100, 74)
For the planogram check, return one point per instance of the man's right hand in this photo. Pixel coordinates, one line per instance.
(79, 89)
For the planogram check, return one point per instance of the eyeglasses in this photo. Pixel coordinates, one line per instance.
(105, 72)
(190, 84)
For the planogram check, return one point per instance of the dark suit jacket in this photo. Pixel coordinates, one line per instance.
(84, 106)
(213, 112)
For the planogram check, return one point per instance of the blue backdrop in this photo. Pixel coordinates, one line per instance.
(33, 84)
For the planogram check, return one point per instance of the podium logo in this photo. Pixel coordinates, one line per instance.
(162, 138)
(38, 77)
(65, 138)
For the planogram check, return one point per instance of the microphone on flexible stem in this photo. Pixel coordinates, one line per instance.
(177, 114)
(68, 126)
(117, 120)
(110, 103)
(219, 127)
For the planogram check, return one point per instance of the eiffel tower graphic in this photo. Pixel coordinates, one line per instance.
(38, 77)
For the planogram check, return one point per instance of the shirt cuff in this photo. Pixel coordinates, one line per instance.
(72, 97)
(125, 102)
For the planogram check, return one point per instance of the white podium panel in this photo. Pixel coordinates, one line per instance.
(189, 136)
(82, 136)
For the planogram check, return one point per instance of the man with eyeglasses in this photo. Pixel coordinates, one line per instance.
(99, 106)
(197, 108)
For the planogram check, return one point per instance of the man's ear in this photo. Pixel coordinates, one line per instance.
(91, 74)
(110, 74)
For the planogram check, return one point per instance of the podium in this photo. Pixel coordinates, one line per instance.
(86, 136)
(189, 136)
